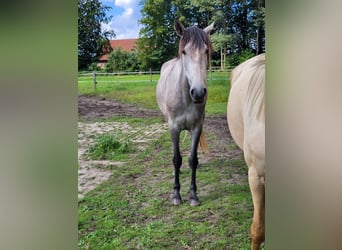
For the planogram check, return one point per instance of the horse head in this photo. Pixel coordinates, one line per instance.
(194, 51)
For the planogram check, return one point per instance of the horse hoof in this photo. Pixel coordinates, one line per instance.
(176, 202)
(194, 203)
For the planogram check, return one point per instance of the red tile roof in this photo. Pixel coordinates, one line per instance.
(124, 44)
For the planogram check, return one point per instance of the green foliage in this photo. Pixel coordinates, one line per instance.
(120, 60)
(221, 40)
(237, 58)
(245, 55)
(220, 43)
(240, 25)
(91, 39)
(108, 147)
(157, 42)
(93, 67)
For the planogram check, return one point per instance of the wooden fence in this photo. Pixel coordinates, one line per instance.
(153, 75)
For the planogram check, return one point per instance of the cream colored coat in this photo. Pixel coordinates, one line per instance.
(246, 120)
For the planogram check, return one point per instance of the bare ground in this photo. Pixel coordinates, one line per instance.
(93, 173)
(92, 107)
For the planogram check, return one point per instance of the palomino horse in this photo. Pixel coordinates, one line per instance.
(246, 120)
(181, 96)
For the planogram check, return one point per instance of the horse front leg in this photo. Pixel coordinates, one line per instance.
(177, 163)
(193, 162)
(257, 187)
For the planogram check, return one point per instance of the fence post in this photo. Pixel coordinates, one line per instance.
(95, 82)
(211, 73)
(150, 76)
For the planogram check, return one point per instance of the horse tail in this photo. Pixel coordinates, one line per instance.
(203, 143)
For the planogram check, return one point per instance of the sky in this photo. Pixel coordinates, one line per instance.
(125, 15)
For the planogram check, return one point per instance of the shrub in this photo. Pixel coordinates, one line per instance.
(93, 67)
(237, 58)
(120, 60)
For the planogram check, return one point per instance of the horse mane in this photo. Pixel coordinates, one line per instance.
(253, 71)
(256, 88)
(197, 37)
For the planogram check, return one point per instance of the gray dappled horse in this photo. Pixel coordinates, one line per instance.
(182, 95)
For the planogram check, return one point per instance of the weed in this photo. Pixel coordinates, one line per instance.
(108, 147)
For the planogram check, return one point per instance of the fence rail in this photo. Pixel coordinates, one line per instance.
(123, 73)
(90, 73)
(120, 76)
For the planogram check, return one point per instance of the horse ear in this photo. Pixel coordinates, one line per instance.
(209, 28)
(179, 28)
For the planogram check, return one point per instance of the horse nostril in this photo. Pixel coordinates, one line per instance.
(192, 91)
(204, 91)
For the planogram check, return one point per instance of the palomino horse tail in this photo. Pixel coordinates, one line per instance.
(203, 143)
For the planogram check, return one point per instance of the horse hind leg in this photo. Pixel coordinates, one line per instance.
(257, 187)
(177, 163)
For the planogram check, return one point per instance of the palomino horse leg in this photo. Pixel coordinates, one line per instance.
(193, 162)
(177, 163)
(257, 186)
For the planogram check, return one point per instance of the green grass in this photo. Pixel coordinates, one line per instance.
(139, 91)
(109, 147)
(132, 210)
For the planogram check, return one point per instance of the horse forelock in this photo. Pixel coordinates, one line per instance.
(197, 37)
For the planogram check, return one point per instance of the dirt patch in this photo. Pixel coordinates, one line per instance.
(92, 173)
(220, 143)
(91, 107)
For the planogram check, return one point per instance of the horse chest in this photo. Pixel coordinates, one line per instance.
(188, 116)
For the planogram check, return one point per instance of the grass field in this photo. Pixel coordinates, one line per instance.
(131, 210)
(138, 89)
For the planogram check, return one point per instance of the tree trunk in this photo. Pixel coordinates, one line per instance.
(260, 31)
(224, 58)
(222, 61)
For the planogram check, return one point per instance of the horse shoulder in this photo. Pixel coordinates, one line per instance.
(234, 108)
(167, 91)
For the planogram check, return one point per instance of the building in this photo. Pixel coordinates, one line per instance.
(124, 44)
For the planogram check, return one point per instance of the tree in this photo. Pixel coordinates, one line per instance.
(119, 60)
(259, 20)
(204, 11)
(240, 23)
(221, 42)
(92, 41)
(247, 22)
(157, 39)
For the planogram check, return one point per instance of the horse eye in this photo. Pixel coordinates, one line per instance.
(206, 51)
(184, 53)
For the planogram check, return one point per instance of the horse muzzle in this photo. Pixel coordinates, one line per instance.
(198, 95)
